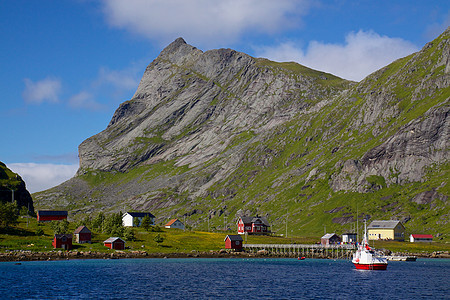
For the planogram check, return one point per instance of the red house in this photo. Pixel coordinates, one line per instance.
(82, 235)
(115, 243)
(51, 215)
(62, 241)
(233, 241)
(253, 225)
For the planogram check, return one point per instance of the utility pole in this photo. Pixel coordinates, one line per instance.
(287, 222)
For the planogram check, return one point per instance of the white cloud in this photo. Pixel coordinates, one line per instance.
(45, 90)
(361, 54)
(84, 100)
(39, 177)
(203, 21)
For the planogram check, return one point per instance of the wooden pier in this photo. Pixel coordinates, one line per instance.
(344, 251)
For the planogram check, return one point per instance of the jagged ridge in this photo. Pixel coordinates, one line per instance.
(219, 132)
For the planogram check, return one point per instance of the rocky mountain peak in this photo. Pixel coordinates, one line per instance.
(222, 131)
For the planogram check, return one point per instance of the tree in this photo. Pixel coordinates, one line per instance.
(8, 214)
(129, 235)
(146, 222)
(60, 227)
(158, 239)
(113, 225)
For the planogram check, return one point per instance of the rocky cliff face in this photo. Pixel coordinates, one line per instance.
(13, 187)
(219, 133)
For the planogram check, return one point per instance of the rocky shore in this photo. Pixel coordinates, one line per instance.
(26, 255)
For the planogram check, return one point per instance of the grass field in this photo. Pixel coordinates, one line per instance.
(23, 237)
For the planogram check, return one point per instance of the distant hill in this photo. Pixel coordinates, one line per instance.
(218, 134)
(12, 187)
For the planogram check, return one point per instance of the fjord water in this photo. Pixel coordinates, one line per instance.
(222, 278)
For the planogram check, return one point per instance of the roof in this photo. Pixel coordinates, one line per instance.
(391, 224)
(139, 214)
(113, 239)
(60, 236)
(52, 212)
(329, 235)
(248, 220)
(422, 236)
(234, 237)
(172, 221)
(82, 229)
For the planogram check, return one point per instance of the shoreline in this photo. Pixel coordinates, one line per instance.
(27, 255)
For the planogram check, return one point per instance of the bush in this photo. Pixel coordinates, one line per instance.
(39, 232)
(8, 214)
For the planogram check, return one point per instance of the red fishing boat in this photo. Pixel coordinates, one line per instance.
(366, 258)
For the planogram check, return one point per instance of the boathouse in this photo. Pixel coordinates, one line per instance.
(330, 239)
(386, 230)
(51, 215)
(349, 238)
(253, 225)
(175, 223)
(134, 219)
(62, 241)
(82, 235)
(233, 241)
(115, 243)
(414, 238)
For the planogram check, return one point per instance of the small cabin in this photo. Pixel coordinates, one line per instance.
(233, 241)
(115, 243)
(134, 219)
(330, 239)
(63, 241)
(51, 215)
(82, 235)
(175, 223)
(349, 238)
(414, 238)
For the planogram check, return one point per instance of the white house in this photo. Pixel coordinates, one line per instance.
(134, 219)
(175, 223)
(414, 238)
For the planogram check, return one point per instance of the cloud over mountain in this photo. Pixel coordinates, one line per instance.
(362, 53)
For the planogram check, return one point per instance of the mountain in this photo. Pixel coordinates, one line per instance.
(12, 187)
(218, 134)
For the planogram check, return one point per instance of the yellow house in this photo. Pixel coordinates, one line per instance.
(386, 230)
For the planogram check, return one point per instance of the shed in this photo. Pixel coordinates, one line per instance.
(233, 241)
(62, 241)
(414, 238)
(349, 237)
(330, 239)
(175, 223)
(134, 219)
(115, 243)
(386, 230)
(51, 215)
(82, 235)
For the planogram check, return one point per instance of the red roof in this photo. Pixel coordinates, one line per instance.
(171, 222)
(422, 236)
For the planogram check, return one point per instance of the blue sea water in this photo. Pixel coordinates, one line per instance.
(222, 278)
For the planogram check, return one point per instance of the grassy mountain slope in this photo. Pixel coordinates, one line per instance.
(251, 136)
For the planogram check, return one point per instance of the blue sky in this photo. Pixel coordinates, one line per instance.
(65, 66)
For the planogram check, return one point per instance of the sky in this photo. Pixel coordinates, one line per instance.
(65, 66)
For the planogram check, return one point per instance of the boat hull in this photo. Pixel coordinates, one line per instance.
(370, 266)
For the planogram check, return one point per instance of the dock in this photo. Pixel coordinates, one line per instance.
(344, 251)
